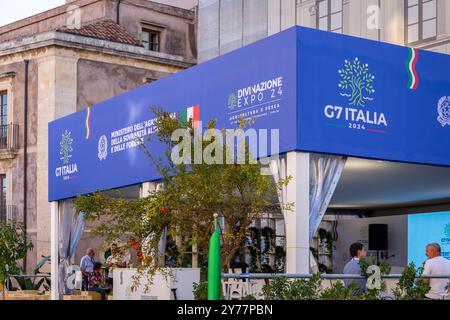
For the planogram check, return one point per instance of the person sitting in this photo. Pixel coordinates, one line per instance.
(352, 267)
(436, 265)
(96, 281)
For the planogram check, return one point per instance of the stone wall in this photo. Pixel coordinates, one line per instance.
(178, 24)
(94, 88)
(53, 19)
(176, 34)
(14, 169)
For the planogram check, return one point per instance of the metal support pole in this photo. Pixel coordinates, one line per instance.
(54, 235)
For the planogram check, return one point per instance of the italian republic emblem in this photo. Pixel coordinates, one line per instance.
(102, 148)
(444, 111)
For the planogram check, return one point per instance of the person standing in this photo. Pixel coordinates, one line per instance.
(357, 252)
(87, 266)
(436, 265)
(115, 260)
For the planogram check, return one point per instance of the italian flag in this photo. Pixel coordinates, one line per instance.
(88, 123)
(413, 76)
(191, 113)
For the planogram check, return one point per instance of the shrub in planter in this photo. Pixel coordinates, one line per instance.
(408, 288)
(339, 291)
(282, 288)
(201, 291)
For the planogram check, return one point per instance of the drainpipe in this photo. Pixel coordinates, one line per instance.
(118, 11)
(25, 156)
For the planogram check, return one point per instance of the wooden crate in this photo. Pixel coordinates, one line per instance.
(93, 294)
(21, 295)
(27, 295)
(43, 297)
(83, 295)
(76, 297)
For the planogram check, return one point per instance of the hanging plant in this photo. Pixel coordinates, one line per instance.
(322, 233)
(269, 239)
(329, 240)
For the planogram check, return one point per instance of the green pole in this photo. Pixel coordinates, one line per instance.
(214, 269)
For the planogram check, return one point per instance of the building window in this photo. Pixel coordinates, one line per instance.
(151, 39)
(3, 119)
(3, 108)
(329, 15)
(420, 20)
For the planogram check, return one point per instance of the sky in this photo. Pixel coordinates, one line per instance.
(13, 10)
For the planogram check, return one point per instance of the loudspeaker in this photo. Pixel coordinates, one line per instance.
(378, 237)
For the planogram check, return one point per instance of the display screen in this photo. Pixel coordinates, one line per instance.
(426, 228)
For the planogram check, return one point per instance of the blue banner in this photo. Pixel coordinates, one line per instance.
(96, 149)
(324, 92)
(373, 100)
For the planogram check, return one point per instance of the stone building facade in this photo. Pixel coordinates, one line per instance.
(63, 60)
(225, 25)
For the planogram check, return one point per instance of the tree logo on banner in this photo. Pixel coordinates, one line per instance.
(232, 101)
(444, 111)
(66, 147)
(356, 81)
(102, 148)
(447, 230)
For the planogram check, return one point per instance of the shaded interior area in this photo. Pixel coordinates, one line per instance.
(383, 188)
(402, 197)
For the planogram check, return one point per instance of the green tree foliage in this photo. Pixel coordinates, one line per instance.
(408, 288)
(282, 288)
(339, 291)
(191, 194)
(13, 248)
(200, 291)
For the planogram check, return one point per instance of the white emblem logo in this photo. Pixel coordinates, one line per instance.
(444, 111)
(102, 148)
